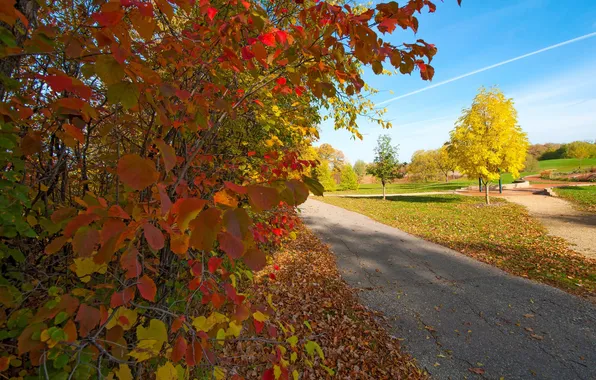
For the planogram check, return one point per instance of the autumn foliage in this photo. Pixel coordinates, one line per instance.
(151, 156)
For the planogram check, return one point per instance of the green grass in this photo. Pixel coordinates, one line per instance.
(583, 197)
(502, 234)
(566, 164)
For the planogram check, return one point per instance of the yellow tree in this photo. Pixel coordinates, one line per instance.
(487, 140)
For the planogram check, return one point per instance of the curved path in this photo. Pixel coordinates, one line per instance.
(561, 219)
(458, 317)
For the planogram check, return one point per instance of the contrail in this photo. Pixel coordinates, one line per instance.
(489, 67)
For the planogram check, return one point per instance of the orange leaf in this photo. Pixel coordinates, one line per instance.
(167, 154)
(225, 198)
(177, 323)
(77, 222)
(188, 209)
(254, 259)
(205, 228)
(154, 236)
(74, 132)
(179, 244)
(147, 288)
(55, 245)
(88, 318)
(179, 349)
(137, 172)
(166, 202)
(71, 331)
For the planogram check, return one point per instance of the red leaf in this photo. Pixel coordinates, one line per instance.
(262, 198)
(177, 323)
(236, 188)
(108, 18)
(214, 263)
(130, 263)
(59, 83)
(230, 244)
(117, 212)
(258, 326)
(74, 132)
(88, 318)
(269, 375)
(154, 236)
(478, 371)
(246, 53)
(147, 288)
(123, 297)
(137, 172)
(166, 202)
(179, 349)
(268, 39)
(79, 221)
(281, 81)
(217, 300)
(211, 12)
(194, 353)
(85, 241)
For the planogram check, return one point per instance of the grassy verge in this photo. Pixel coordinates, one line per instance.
(408, 187)
(502, 234)
(583, 197)
(307, 293)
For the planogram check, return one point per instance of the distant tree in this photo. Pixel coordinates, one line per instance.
(487, 140)
(579, 150)
(324, 176)
(386, 165)
(334, 157)
(349, 179)
(360, 169)
(423, 167)
(444, 162)
(531, 165)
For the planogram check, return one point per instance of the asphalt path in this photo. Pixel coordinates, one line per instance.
(460, 318)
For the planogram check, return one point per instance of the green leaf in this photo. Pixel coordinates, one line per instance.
(108, 69)
(61, 361)
(125, 93)
(313, 185)
(61, 317)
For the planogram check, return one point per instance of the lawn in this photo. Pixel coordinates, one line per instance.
(562, 165)
(583, 197)
(502, 234)
(566, 164)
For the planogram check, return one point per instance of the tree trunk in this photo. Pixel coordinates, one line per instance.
(383, 182)
(447, 177)
(486, 193)
(8, 65)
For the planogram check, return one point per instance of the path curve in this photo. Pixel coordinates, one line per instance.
(562, 220)
(455, 313)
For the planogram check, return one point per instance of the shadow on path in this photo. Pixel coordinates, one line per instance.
(455, 313)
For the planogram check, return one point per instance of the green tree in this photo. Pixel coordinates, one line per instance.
(444, 162)
(349, 179)
(579, 150)
(325, 177)
(531, 164)
(423, 167)
(386, 165)
(487, 140)
(360, 169)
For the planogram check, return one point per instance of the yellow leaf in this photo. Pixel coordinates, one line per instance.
(206, 324)
(85, 266)
(234, 329)
(221, 336)
(270, 302)
(151, 340)
(31, 220)
(124, 318)
(295, 375)
(260, 316)
(123, 372)
(219, 373)
(276, 371)
(166, 372)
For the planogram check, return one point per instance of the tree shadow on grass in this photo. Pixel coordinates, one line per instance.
(421, 199)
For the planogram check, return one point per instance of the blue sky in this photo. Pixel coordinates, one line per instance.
(554, 91)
